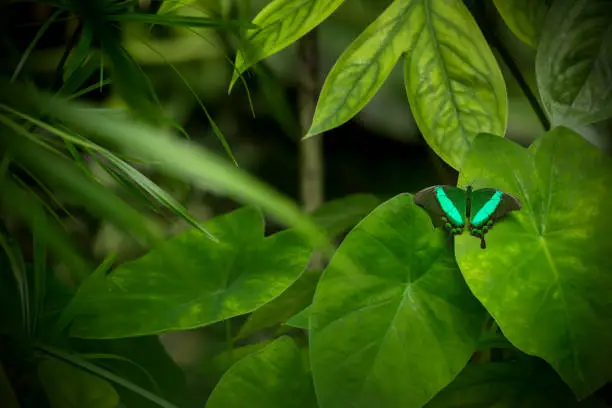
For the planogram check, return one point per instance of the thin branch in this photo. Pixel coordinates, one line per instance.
(311, 149)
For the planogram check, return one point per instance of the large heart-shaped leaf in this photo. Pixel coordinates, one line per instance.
(524, 17)
(158, 293)
(546, 273)
(526, 383)
(276, 376)
(397, 326)
(280, 23)
(454, 85)
(574, 62)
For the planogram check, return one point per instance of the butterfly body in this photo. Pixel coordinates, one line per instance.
(457, 210)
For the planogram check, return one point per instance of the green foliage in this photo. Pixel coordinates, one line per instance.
(524, 17)
(67, 386)
(203, 283)
(275, 376)
(574, 69)
(400, 316)
(544, 276)
(403, 311)
(279, 24)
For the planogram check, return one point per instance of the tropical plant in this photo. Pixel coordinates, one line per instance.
(394, 317)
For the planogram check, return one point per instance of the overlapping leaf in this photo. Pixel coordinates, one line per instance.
(399, 325)
(574, 62)
(190, 281)
(545, 275)
(67, 386)
(524, 17)
(454, 85)
(276, 376)
(526, 383)
(280, 23)
(365, 64)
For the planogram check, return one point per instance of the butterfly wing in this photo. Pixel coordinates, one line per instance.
(444, 204)
(490, 204)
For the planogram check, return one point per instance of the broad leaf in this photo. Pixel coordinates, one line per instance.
(365, 64)
(574, 62)
(68, 386)
(397, 327)
(524, 17)
(280, 23)
(295, 298)
(337, 216)
(525, 383)
(274, 377)
(545, 275)
(454, 85)
(191, 281)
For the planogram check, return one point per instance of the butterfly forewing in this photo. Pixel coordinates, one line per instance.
(443, 202)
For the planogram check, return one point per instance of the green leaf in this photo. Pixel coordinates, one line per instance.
(544, 276)
(295, 298)
(574, 62)
(342, 214)
(67, 386)
(190, 281)
(397, 327)
(454, 84)
(274, 377)
(525, 383)
(280, 23)
(176, 21)
(63, 175)
(455, 91)
(524, 17)
(301, 319)
(169, 6)
(365, 64)
(171, 155)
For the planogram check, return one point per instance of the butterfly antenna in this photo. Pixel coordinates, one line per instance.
(483, 244)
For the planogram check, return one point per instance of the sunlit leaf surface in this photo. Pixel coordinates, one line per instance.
(399, 325)
(545, 275)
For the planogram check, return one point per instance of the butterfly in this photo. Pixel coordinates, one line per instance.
(456, 209)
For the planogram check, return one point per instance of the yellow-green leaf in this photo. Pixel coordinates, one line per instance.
(365, 64)
(280, 23)
(524, 17)
(454, 85)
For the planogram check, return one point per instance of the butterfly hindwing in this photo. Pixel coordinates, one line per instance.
(487, 205)
(445, 206)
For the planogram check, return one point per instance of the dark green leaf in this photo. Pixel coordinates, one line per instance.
(190, 281)
(574, 62)
(397, 327)
(295, 298)
(340, 215)
(544, 276)
(526, 384)
(524, 17)
(276, 376)
(67, 386)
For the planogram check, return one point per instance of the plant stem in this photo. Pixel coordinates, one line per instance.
(516, 73)
(311, 149)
